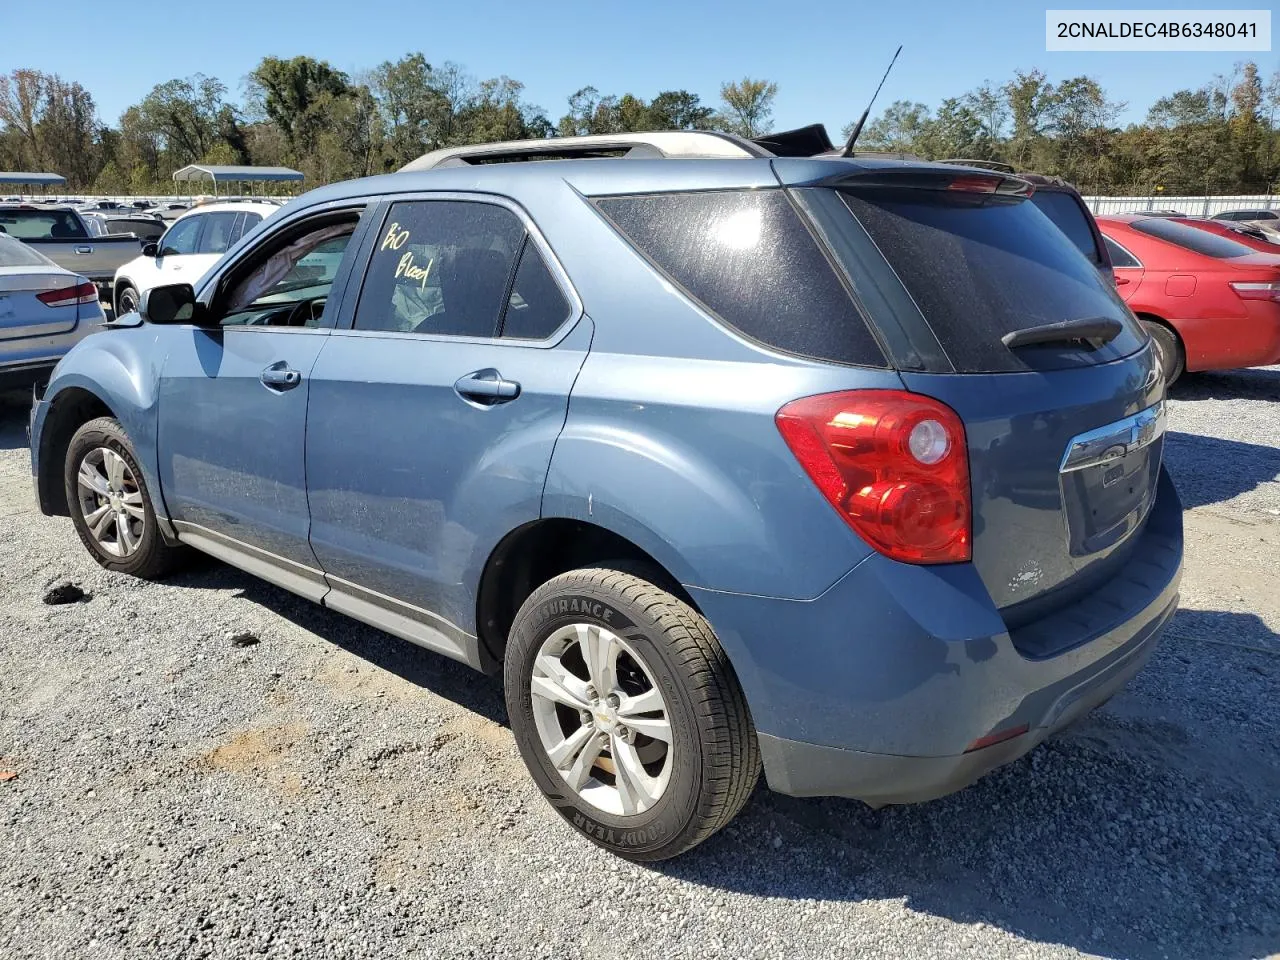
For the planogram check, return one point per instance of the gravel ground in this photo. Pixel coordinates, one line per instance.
(331, 792)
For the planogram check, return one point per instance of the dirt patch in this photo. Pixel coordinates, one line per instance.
(266, 752)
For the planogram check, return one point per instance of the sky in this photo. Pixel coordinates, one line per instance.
(826, 57)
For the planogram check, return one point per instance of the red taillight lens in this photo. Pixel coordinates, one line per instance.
(1257, 291)
(81, 293)
(894, 465)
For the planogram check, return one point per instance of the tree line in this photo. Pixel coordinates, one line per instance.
(302, 112)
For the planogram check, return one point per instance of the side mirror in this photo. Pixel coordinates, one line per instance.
(151, 249)
(172, 303)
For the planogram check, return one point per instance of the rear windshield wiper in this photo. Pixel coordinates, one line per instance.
(1098, 329)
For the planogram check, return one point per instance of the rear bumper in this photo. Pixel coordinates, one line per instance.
(877, 689)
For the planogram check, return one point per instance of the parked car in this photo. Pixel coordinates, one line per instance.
(1247, 215)
(189, 247)
(1210, 302)
(61, 234)
(617, 430)
(44, 311)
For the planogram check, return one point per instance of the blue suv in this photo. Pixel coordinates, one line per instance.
(849, 469)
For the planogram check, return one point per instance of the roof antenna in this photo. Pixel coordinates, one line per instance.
(857, 129)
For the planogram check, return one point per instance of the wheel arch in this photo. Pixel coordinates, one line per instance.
(69, 409)
(535, 552)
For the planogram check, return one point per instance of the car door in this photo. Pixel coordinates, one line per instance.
(433, 418)
(1128, 269)
(233, 401)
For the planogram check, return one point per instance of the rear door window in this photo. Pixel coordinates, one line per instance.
(219, 230)
(979, 267)
(1120, 257)
(1192, 238)
(1069, 216)
(441, 267)
(747, 257)
(537, 306)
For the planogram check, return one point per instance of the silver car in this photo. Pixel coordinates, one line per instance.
(44, 311)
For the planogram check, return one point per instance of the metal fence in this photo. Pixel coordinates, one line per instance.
(1191, 206)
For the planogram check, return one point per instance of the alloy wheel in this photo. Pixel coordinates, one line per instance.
(602, 720)
(110, 500)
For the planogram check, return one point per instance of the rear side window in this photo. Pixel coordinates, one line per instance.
(537, 306)
(1069, 216)
(747, 257)
(247, 223)
(441, 267)
(1120, 257)
(1192, 238)
(979, 267)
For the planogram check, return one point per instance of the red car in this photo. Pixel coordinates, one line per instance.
(1210, 302)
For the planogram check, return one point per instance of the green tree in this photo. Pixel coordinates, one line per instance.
(293, 94)
(747, 107)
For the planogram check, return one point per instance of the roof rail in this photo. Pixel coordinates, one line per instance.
(995, 165)
(668, 144)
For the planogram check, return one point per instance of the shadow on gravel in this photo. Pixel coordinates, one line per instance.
(1127, 835)
(15, 407)
(419, 666)
(1250, 384)
(1210, 470)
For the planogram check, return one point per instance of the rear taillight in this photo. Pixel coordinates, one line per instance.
(894, 465)
(66, 296)
(1257, 291)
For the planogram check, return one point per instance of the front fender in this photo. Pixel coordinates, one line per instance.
(121, 368)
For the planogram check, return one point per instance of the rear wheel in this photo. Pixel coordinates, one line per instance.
(1169, 350)
(627, 713)
(110, 505)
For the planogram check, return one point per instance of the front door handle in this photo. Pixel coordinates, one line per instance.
(487, 387)
(84, 250)
(281, 376)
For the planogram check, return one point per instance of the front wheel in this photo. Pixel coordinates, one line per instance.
(627, 713)
(110, 505)
(126, 300)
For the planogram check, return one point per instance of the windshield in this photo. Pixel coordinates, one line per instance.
(16, 254)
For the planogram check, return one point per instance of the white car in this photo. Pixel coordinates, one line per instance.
(193, 244)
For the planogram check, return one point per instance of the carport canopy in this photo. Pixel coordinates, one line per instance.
(202, 171)
(33, 179)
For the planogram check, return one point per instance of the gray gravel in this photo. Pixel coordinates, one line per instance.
(331, 792)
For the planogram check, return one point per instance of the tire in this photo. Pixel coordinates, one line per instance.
(665, 652)
(94, 448)
(126, 299)
(1169, 350)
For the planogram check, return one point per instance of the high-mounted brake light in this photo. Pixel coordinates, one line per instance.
(1257, 291)
(975, 184)
(895, 466)
(66, 296)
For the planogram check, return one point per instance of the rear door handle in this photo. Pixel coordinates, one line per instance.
(84, 249)
(487, 387)
(281, 376)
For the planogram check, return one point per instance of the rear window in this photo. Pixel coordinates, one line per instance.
(1193, 238)
(979, 267)
(42, 225)
(748, 259)
(15, 254)
(1070, 217)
